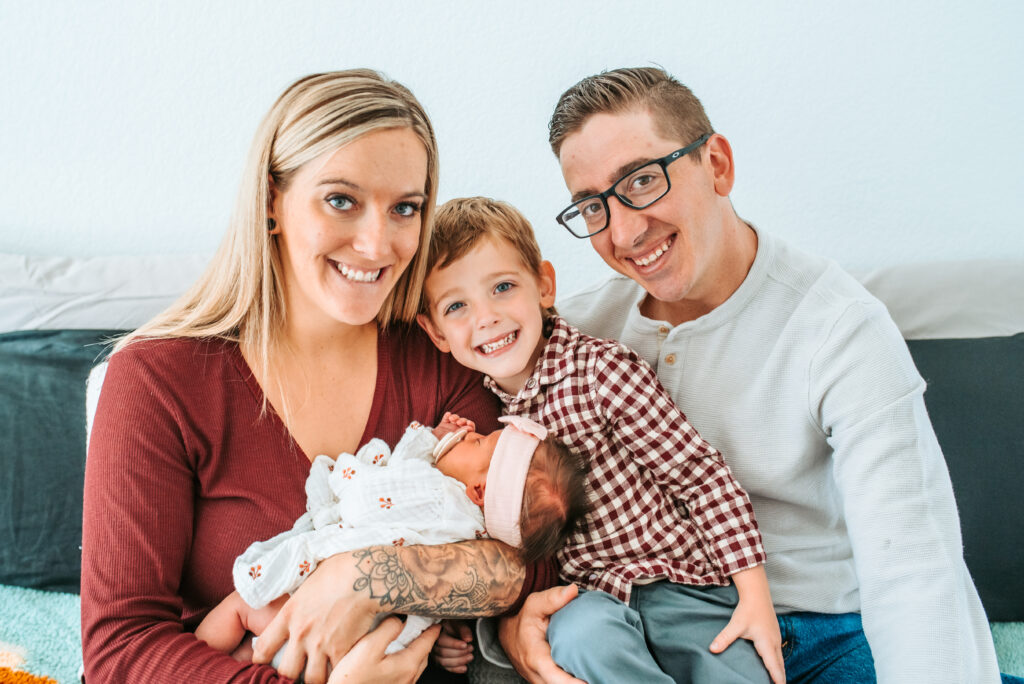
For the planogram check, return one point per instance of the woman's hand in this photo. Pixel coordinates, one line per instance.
(453, 650)
(754, 619)
(366, 662)
(321, 622)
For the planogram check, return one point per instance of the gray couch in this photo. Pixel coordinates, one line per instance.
(964, 323)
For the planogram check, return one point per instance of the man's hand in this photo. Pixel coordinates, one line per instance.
(524, 636)
(453, 650)
(367, 664)
(320, 622)
(754, 619)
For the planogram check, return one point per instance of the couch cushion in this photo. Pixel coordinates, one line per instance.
(51, 293)
(976, 405)
(42, 418)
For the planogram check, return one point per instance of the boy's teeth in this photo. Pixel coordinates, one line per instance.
(652, 257)
(359, 276)
(503, 342)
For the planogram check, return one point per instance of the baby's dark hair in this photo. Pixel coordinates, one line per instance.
(554, 500)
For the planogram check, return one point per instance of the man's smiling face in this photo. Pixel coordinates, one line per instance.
(668, 248)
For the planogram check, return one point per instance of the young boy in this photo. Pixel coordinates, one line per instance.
(430, 490)
(664, 506)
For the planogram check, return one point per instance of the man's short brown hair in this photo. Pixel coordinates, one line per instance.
(678, 114)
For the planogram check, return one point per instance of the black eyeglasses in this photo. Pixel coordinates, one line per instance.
(638, 189)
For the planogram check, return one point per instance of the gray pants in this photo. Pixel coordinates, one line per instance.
(661, 637)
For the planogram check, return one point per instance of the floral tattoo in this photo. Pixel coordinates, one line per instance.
(451, 580)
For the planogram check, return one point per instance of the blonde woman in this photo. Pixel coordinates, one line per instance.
(292, 344)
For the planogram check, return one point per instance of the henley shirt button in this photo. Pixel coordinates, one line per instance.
(663, 330)
(670, 359)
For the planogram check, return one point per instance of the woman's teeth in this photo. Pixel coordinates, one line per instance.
(653, 256)
(359, 276)
(503, 342)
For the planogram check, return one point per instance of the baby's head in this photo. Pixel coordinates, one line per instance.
(532, 488)
(488, 292)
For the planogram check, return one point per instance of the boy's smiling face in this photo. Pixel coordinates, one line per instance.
(485, 308)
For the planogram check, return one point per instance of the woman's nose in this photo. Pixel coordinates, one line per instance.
(373, 235)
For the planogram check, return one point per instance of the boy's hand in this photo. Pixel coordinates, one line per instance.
(754, 619)
(453, 650)
(451, 422)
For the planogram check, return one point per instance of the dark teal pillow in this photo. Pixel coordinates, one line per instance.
(975, 399)
(42, 440)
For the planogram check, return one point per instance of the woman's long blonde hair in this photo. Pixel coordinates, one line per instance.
(239, 296)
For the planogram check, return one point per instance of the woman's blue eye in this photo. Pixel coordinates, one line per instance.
(503, 287)
(407, 209)
(453, 307)
(340, 202)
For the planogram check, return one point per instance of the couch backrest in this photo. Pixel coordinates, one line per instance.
(964, 323)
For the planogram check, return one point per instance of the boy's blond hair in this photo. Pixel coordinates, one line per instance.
(460, 224)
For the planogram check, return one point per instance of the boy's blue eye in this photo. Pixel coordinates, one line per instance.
(503, 287)
(453, 307)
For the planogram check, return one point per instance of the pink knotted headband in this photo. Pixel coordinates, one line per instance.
(506, 477)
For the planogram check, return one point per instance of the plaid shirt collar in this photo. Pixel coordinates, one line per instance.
(553, 365)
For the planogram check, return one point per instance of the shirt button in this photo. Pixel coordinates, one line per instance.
(593, 576)
(670, 359)
(531, 382)
(663, 330)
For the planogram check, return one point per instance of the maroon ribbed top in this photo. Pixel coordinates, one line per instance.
(184, 472)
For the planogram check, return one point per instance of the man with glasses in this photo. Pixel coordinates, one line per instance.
(794, 372)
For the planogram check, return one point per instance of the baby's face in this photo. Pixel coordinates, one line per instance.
(485, 308)
(469, 460)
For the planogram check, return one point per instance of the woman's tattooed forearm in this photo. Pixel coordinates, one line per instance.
(452, 580)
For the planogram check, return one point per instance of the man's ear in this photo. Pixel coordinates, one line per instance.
(427, 323)
(476, 493)
(546, 283)
(722, 167)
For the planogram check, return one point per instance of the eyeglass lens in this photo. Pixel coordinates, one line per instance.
(640, 188)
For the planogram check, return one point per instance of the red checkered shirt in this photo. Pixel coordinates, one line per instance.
(663, 504)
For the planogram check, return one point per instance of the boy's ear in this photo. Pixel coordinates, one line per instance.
(476, 493)
(547, 284)
(427, 323)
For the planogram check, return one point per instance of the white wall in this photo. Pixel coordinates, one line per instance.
(873, 132)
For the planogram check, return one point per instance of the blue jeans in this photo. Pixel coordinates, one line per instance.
(826, 649)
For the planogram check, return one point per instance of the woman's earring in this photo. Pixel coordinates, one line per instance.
(271, 225)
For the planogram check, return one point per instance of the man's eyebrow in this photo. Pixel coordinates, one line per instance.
(615, 176)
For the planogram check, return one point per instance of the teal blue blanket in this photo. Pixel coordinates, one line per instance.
(40, 628)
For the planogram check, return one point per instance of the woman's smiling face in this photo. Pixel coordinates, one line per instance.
(348, 225)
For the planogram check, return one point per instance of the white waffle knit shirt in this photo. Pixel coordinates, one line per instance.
(803, 382)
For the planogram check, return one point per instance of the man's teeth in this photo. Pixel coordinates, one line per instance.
(359, 276)
(653, 256)
(503, 342)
